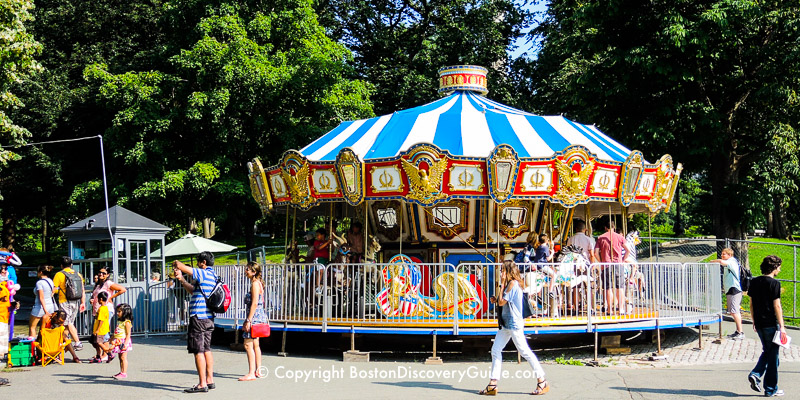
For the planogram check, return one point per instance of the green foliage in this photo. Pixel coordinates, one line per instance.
(707, 81)
(248, 80)
(17, 51)
(400, 45)
(571, 361)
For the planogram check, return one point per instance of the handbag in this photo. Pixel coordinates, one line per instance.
(259, 330)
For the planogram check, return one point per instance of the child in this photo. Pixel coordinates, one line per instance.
(101, 329)
(122, 338)
(322, 256)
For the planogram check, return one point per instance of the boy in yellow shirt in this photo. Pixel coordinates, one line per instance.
(101, 328)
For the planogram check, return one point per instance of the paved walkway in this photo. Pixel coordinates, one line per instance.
(681, 348)
(160, 368)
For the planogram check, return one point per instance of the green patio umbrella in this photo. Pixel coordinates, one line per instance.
(193, 244)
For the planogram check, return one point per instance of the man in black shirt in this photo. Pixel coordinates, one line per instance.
(765, 294)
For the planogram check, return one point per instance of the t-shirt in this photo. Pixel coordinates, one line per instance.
(46, 286)
(60, 282)
(609, 254)
(204, 280)
(731, 279)
(320, 252)
(5, 303)
(512, 310)
(101, 321)
(763, 292)
(541, 254)
(583, 241)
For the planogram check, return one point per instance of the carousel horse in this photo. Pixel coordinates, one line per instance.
(400, 296)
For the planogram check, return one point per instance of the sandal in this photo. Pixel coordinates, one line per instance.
(541, 388)
(490, 390)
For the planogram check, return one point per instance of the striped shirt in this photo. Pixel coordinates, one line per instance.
(205, 279)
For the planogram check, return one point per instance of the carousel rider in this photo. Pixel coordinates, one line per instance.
(355, 238)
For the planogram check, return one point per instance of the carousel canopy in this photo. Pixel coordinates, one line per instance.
(465, 147)
(465, 124)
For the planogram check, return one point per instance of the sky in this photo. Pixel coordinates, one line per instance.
(522, 43)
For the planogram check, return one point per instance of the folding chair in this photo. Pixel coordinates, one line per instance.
(52, 345)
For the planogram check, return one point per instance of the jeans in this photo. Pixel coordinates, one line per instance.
(500, 341)
(767, 366)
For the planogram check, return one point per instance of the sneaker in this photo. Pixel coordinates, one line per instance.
(755, 383)
(740, 336)
(94, 360)
(778, 393)
(120, 376)
(77, 346)
(734, 335)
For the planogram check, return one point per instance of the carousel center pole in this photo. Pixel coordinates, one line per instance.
(330, 232)
(402, 207)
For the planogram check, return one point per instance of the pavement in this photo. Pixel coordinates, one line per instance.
(161, 368)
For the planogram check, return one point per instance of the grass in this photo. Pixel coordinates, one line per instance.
(563, 361)
(762, 247)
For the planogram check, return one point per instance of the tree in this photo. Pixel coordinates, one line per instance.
(399, 45)
(17, 51)
(238, 80)
(707, 81)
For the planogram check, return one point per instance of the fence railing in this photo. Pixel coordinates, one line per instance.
(749, 253)
(442, 295)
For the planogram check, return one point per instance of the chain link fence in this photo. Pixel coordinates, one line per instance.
(750, 253)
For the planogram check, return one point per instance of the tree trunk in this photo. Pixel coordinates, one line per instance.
(207, 228)
(9, 230)
(770, 231)
(678, 226)
(780, 230)
(727, 209)
(249, 232)
(44, 229)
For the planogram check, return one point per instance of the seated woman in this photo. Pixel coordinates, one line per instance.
(55, 320)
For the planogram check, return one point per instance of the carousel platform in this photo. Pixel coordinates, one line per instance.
(676, 295)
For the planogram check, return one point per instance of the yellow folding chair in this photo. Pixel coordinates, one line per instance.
(52, 345)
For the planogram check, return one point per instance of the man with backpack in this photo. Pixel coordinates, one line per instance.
(201, 318)
(70, 286)
(734, 286)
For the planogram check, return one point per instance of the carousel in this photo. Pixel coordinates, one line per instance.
(422, 205)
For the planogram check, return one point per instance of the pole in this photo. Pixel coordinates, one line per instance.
(595, 342)
(285, 237)
(650, 234)
(402, 207)
(114, 262)
(330, 232)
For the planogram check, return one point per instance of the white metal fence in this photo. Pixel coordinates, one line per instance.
(444, 295)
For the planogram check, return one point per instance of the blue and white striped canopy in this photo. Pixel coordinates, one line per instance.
(465, 124)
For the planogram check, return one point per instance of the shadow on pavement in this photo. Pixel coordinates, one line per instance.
(84, 379)
(189, 372)
(427, 385)
(682, 392)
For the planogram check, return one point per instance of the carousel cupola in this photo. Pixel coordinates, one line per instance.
(465, 78)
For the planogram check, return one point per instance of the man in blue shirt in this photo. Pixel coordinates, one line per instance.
(733, 289)
(201, 319)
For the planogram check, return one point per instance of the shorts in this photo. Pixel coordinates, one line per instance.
(199, 335)
(94, 339)
(613, 277)
(734, 303)
(39, 311)
(72, 308)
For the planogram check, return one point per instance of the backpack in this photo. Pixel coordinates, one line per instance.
(520, 257)
(220, 298)
(73, 285)
(745, 276)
